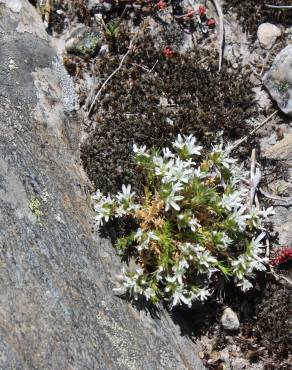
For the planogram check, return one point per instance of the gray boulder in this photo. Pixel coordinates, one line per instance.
(57, 306)
(278, 80)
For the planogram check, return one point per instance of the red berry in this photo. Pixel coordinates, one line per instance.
(202, 10)
(161, 4)
(190, 14)
(168, 52)
(211, 22)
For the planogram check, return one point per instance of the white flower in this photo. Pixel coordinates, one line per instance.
(240, 218)
(225, 160)
(120, 211)
(224, 241)
(178, 272)
(233, 200)
(152, 236)
(180, 296)
(125, 198)
(179, 142)
(158, 273)
(138, 235)
(203, 294)
(187, 248)
(103, 209)
(187, 143)
(205, 259)
(200, 174)
(171, 201)
(180, 171)
(125, 195)
(149, 293)
(167, 153)
(194, 224)
(144, 239)
(244, 284)
(256, 246)
(140, 151)
(97, 195)
(161, 165)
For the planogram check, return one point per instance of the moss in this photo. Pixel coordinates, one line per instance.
(251, 13)
(273, 320)
(35, 207)
(180, 95)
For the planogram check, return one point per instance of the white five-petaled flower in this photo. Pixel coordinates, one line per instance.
(149, 293)
(240, 218)
(98, 195)
(225, 160)
(203, 294)
(205, 259)
(233, 200)
(200, 174)
(145, 238)
(179, 296)
(179, 171)
(187, 143)
(126, 194)
(244, 284)
(162, 165)
(167, 153)
(194, 224)
(171, 201)
(104, 209)
(141, 150)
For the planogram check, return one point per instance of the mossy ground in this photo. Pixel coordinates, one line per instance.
(149, 107)
(251, 13)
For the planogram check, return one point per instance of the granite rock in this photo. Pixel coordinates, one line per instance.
(278, 80)
(57, 306)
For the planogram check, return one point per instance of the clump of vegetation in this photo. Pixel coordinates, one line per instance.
(284, 256)
(194, 227)
(35, 207)
(152, 100)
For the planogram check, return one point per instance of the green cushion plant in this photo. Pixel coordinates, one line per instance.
(194, 224)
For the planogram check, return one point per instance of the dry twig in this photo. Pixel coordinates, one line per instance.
(278, 6)
(130, 48)
(255, 178)
(242, 140)
(284, 280)
(220, 32)
(287, 200)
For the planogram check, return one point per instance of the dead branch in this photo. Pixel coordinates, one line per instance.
(267, 255)
(280, 278)
(287, 200)
(278, 6)
(130, 48)
(221, 32)
(255, 178)
(242, 140)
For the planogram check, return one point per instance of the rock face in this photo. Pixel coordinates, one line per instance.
(229, 320)
(268, 34)
(57, 306)
(278, 80)
(282, 220)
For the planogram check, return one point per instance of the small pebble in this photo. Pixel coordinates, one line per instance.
(229, 320)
